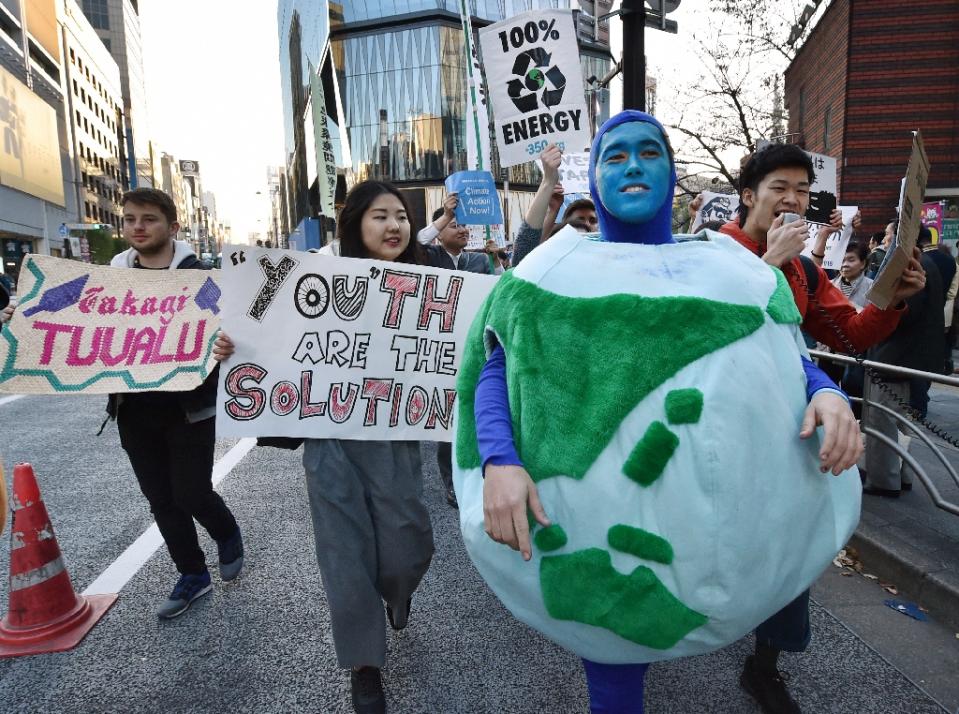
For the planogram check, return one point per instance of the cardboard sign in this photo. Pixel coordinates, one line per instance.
(716, 207)
(910, 209)
(535, 84)
(95, 329)
(823, 192)
(478, 200)
(343, 348)
(836, 242)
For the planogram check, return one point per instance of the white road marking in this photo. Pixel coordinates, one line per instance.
(7, 400)
(122, 570)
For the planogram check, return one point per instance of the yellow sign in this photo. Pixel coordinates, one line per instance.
(30, 143)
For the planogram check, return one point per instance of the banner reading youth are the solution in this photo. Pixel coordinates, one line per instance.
(341, 347)
(535, 84)
(95, 329)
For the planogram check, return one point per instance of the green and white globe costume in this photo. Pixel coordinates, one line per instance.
(656, 393)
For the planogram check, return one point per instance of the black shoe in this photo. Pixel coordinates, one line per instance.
(768, 688)
(451, 498)
(883, 492)
(907, 486)
(366, 687)
(403, 621)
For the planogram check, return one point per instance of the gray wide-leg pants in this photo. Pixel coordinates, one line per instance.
(373, 536)
(883, 465)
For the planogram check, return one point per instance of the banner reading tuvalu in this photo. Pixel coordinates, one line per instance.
(342, 348)
(96, 329)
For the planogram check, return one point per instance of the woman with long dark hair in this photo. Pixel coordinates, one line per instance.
(373, 536)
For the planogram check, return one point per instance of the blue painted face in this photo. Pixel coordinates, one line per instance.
(633, 171)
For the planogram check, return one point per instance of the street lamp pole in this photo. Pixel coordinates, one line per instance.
(634, 54)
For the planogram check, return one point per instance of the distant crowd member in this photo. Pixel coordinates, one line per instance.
(877, 253)
(917, 344)
(169, 436)
(6, 309)
(450, 253)
(538, 222)
(774, 181)
(374, 541)
(852, 281)
(949, 312)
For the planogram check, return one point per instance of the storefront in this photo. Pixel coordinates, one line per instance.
(13, 251)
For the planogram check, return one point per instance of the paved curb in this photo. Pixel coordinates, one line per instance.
(921, 578)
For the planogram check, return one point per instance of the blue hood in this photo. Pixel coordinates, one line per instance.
(659, 229)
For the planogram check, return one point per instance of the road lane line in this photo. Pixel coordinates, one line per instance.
(7, 400)
(122, 570)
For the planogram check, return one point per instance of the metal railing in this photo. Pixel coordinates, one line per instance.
(902, 420)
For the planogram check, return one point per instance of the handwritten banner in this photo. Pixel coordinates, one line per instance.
(95, 329)
(343, 348)
(716, 207)
(836, 243)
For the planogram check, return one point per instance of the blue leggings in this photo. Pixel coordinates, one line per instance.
(615, 688)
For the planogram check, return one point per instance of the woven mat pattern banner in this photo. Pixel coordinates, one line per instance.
(92, 329)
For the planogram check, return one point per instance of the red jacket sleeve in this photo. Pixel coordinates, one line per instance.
(864, 329)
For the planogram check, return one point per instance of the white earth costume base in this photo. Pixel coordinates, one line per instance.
(751, 520)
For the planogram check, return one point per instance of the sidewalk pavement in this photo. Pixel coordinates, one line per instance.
(909, 542)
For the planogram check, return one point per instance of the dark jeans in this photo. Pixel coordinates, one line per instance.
(919, 395)
(787, 630)
(444, 459)
(615, 688)
(173, 462)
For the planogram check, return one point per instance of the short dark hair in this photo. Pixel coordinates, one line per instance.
(877, 237)
(349, 226)
(580, 204)
(924, 237)
(764, 162)
(437, 213)
(151, 197)
(861, 251)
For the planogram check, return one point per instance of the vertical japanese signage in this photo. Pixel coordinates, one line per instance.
(325, 158)
(823, 192)
(535, 84)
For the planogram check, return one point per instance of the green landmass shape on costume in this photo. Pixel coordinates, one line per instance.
(684, 406)
(782, 305)
(649, 457)
(585, 587)
(641, 543)
(575, 366)
(550, 538)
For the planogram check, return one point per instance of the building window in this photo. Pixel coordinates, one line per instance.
(826, 134)
(97, 13)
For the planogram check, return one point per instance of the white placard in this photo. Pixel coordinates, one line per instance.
(342, 348)
(836, 243)
(574, 172)
(535, 84)
(716, 207)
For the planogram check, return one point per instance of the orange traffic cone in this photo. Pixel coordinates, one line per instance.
(45, 614)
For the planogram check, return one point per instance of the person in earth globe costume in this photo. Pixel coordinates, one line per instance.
(655, 399)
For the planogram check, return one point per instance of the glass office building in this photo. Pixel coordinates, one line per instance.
(393, 79)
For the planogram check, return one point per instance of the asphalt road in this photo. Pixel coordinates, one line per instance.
(262, 644)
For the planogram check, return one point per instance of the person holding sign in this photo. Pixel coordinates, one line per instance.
(631, 553)
(374, 541)
(169, 436)
(774, 182)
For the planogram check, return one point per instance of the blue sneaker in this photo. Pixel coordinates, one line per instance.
(187, 589)
(231, 556)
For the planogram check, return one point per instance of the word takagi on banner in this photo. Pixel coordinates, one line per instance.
(97, 329)
(535, 84)
(343, 348)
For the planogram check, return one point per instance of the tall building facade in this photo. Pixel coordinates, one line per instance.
(59, 153)
(869, 74)
(389, 78)
(95, 105)
(117, 24)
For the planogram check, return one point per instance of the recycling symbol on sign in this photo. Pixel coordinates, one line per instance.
(532, 82)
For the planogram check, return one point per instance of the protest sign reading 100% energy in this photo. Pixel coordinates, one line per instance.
(535, 84)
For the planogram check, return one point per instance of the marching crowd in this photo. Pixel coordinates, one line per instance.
(372, 530)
